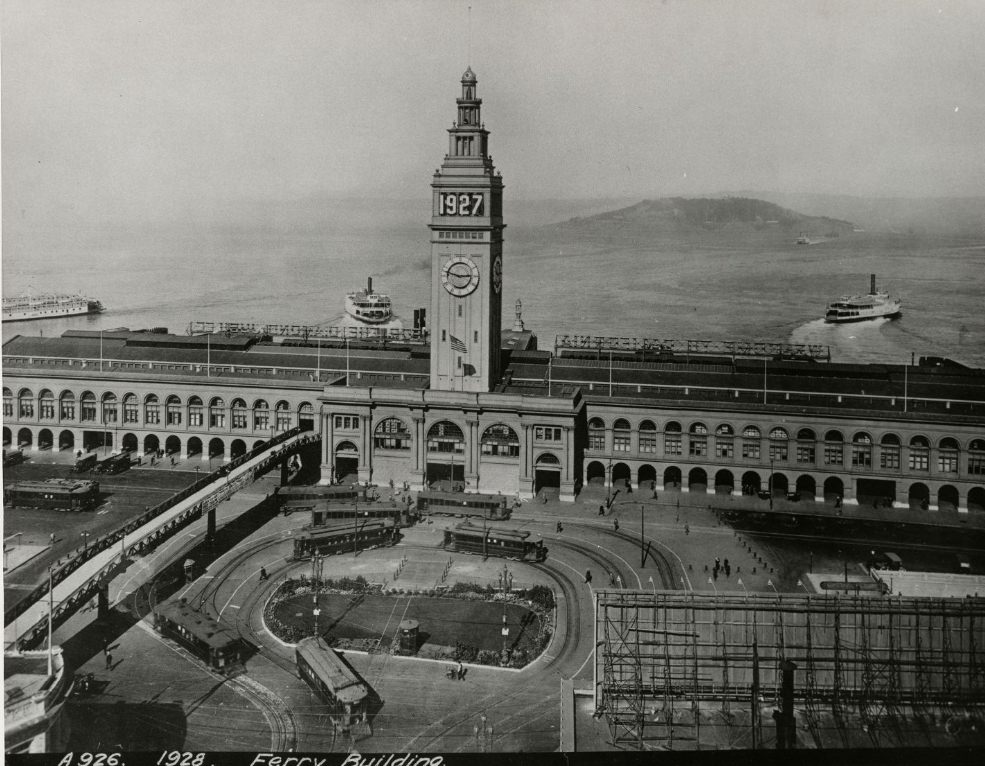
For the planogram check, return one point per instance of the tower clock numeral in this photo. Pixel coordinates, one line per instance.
(463, 203)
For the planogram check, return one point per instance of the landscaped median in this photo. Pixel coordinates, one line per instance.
(460, 623)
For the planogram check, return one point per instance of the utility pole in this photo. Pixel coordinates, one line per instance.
(642, 539)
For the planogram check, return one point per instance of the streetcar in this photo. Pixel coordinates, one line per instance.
(294, 499)
(211, 641)
(53, 494)
(85, 463)
(334, 681)
(491, 507)
(466, 537)
(114, 464)
(344, 537)
(13, 457)
(326, 513)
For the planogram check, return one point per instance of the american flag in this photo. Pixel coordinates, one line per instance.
(457, 345)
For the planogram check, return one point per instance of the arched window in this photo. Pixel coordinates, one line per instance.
(547, 458)
(834, 448)
(805, 446)
(861, 450)
(240, 414)
(596, 434)
(8, 403)
(261, 415)
(25, 403)
(724, 441)
(282, 416)
(196, 412)
(751, 442)
(698, 440)
(87, 407)
(976, 457)
(446, 436)
(779, 447)
(46, 403)
(672, 439)
(66, 406)
(621, 435)
(648, 436)
(806, 435)
(947, 455)
(152, 410)
(500, 440)
(172, 411)
(889, 452)
(392, 433)
(110, 408)
(131, 409)
(217, 412)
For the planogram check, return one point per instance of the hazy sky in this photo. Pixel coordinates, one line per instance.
(154, 109)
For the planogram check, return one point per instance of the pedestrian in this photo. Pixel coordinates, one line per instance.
(263, 574)
(615, 524)
(109, 661)
(687, 529)
(588, 575)
(51, 538)
(559, 527)
(105, 646)
(601, 510)
(461, 671)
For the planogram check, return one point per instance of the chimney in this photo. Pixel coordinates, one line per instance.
(872, 284)
(369, 288)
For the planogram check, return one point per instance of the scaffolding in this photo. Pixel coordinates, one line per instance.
(670, 663)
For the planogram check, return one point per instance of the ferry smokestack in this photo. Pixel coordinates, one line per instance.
(872, 284)
(369, 287)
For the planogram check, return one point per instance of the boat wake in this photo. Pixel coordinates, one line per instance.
(851, 342)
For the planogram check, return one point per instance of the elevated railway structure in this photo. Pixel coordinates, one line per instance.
(87, 575)
(667, 662)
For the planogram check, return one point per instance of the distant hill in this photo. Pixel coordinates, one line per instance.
(678, 216)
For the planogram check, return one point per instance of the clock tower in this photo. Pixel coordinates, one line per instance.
(466, 255)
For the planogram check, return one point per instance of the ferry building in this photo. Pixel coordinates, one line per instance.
(481, 406)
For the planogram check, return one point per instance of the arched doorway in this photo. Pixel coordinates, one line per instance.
(45, 439)
(918, 497)
(947, 498)
(724, 482)
(622, 477)
(25, 438)
(672, 479)
(237, 448)
(595, 474)
(151, 444)
(647, 477)
(697, 480)
(7, 436)
(258, 443)
(834, 489)
(172, 445)
(66, 440)
(217, 449)
(194, 446)
(806, 486)
(346, 463)
(547, 476)
(129, 443)
(306, 416)
(976, 500)
(751, 483)
(445, 456)
(779, 484)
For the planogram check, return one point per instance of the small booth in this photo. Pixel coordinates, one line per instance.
(407, 632)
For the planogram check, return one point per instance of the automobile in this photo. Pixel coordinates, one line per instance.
(962, 564)
(885, 560)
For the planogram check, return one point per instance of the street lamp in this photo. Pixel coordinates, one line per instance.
(85, 542)
(771, 478)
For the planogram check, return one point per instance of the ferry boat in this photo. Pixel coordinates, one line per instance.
(803, 239)
(24, 307)
(369, 307)
(856, 308)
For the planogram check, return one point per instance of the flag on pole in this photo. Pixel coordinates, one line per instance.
(457, 345)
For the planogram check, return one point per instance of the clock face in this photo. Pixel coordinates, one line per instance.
(460, 276)
(497, 275)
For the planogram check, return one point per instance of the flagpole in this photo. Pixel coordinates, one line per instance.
(208, 355)
(347, 360)
(549, 375)
(51, 618)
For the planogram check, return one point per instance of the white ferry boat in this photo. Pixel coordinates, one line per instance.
(856, 308)
(24, 307)
(368, 307)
